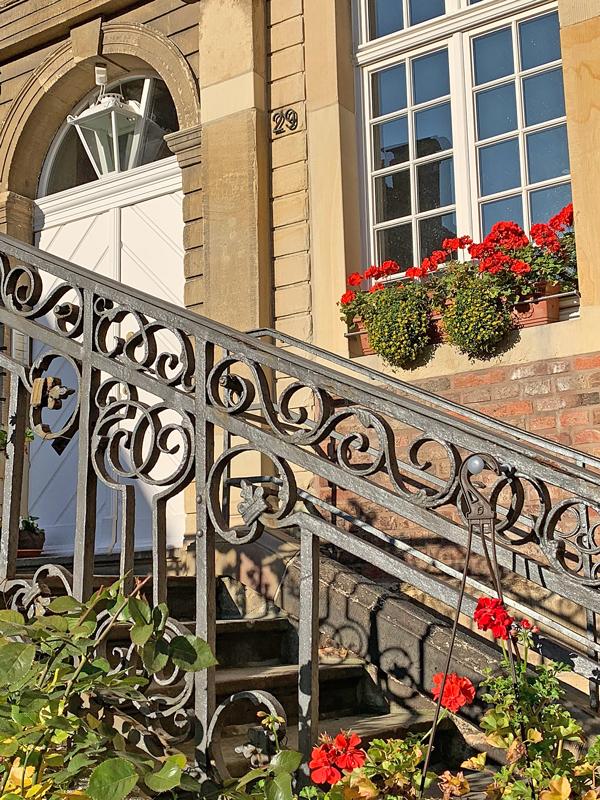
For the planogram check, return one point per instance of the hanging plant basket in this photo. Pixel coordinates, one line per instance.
(542, 312)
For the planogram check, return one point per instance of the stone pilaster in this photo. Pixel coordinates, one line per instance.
(235, 165)
(186, 144)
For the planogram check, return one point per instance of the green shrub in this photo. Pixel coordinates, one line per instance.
(397, 320)
(64, 711)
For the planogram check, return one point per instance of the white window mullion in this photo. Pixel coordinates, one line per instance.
(461, 125)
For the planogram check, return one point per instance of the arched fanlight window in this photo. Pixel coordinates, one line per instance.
(117, 128)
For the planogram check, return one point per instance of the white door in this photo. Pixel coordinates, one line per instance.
(128, 227)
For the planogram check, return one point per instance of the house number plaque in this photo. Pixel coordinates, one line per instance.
(285, 120)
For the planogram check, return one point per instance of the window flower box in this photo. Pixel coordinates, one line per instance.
(472, 301)
(543, 312)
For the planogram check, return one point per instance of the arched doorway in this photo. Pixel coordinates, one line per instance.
(123, 221)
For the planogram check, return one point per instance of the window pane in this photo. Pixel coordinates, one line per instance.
(433, 130)
(545, 203)
(510, 209)
(433, 231)
(548, 154)
(395, 244)
(493, 56)
(539, 41)
(390, 143)
(499, 167)
(389, 90)
(544, 96)
(496, 111)
(392, 196)
(71, 166)
(132, 90)
(420, 10)
(385, 16)
(436, 184)
(431, 77)
(162, 119)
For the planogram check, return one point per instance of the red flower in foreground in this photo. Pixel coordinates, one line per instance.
(451, 244)
(544, 236)
(347, 298)
(520, 267)
(415, 272)
(322, 764)
(490, 615)
(525, 624)
(355, 279)
(458, 692)
(351, 756)
(376, 287)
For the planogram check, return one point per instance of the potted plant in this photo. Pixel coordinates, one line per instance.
(31, 538)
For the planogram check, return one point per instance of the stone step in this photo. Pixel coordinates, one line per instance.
(341, 689)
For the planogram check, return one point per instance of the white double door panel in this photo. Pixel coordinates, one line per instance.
(140, 244)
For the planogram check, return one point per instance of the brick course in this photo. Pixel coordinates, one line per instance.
(552, 398)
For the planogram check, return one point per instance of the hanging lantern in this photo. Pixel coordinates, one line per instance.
(107, 128)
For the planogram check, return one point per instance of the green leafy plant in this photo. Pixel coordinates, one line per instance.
(475, 320)
(398, 321)
(29, 437)
(64, 709)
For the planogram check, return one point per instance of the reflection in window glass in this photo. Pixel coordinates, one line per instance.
(433, 231)
(389, 90)
(509, 209)
(544, 97)
(544, 203)
(493, 56)
(496, 111)
(385, 16)
(431, 77)
(539, 41)
(390, 143)
(436, 184)
(161, 120)
(548, 154)
(422, 10)
(392, 196)
(395, 244)
(71, 166)
(433, 130)
(499, 167)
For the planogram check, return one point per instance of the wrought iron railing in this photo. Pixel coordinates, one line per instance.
(226, 406)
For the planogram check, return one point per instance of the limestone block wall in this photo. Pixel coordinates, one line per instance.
(289, 162)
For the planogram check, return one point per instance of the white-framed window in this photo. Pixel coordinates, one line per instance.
(68, 163)
(464, 122)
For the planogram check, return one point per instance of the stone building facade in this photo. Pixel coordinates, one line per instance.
(271, 147)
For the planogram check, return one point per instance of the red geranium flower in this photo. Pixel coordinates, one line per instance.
(544, 236)
(376, 287)
(525, 624)
(350, 755)
(464, 242)
(520, 267)
(373, 272)
(414, 272)
(389, 268)
(458, 692)
(347, 298)
(355, 279)
(451, 244)
(322, 764)
(490, 615)
(437, 257)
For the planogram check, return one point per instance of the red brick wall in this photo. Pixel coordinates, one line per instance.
(558, 399)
